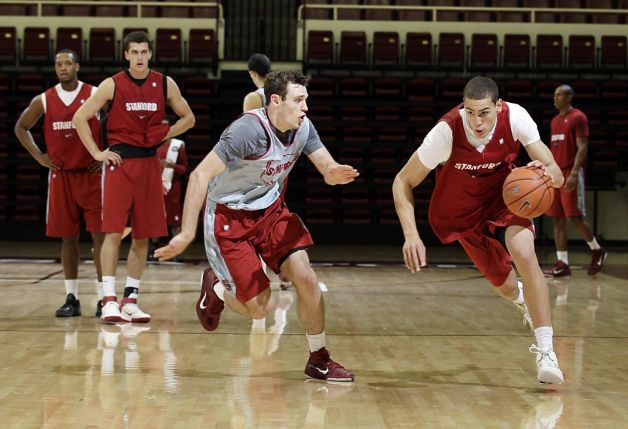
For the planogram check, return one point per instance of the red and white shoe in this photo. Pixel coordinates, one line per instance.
(209, 305)
(130, 311)
(111, 310)
(321, 367)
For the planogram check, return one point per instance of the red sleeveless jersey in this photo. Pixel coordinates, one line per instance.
(137, 111)
(63, 144)
(469, 184)
(565, 129)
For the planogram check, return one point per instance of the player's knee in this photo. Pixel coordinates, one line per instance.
(305, 278)
(69, 241)
(525, 255)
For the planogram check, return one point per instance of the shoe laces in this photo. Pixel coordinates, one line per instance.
(541, 353)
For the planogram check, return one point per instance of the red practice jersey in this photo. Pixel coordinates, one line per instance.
(138, 108)
(470, 182)
(565, 129)
(63, 144)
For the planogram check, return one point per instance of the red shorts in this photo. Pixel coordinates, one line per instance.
(173, 204)
(487, 252)
(69, 193)
(569, 204)
(134, 189)
(244, 236)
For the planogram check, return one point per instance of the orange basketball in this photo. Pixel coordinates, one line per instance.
(527, 192)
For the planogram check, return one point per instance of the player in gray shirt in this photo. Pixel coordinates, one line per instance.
(241, 182)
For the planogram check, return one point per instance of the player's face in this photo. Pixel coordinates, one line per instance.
(138, 56)
(561, 99)
(292, 110)
(481, 115)
(65, 67)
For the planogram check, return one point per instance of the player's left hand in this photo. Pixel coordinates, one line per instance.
(341, 174)
(176, 246)
(554, 174)
(94, 166)
(571, 182)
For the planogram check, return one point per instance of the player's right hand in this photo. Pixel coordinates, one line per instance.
(45, 161)
(108, 157)
(176, 246)
(414, 254)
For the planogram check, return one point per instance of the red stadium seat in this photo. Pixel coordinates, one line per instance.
(353, 87)
(549, 51)
(385, 48)
(451, 49)
(516, 51)
(387, 87)
(320, 47)
(168, 46)
(8, 45)
(613, 52)
(36, 47)
(102, 45)
(419, 49)
(70, 38)
(581, 51)
(321, 86)
(484, 50)
(202, 47)
(353, 47)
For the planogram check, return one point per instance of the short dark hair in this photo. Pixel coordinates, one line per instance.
(260, 64)
(567, 90)
(73, 54)
(481, 87)
(277, 82)
(137, 37)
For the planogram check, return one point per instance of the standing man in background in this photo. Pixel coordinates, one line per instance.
(570, 137)
(132, 175)
(74, 176)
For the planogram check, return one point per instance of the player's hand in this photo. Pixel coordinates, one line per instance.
(341, 174)
(571, 183)
(94, 166)
(164, 189)
(176, 246)
(167, 164)
(45, 161)
(414, 254)
(554, 174)
(108, 157)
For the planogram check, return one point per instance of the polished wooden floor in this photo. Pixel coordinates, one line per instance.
(436, 349)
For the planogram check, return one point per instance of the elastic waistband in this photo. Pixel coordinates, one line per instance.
(126, 150)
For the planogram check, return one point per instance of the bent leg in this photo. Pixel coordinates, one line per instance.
(520, 242)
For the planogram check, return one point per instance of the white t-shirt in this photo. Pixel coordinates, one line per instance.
(66, 96)
(437, 144)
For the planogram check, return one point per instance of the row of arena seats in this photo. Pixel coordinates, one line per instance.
(452, 51)
(540, 11)
(103, 48)
(126, 9)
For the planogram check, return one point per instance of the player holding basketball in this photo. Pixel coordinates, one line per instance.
(74, 176)
(472, 147)
(132, 174)
(246, 217)
(570, 135)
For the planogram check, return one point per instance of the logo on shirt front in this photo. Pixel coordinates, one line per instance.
(62, 125)
(476, 167)
(274, 168)
(141, 106)
(558, 137)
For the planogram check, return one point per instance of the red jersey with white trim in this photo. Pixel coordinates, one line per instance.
(138, 108)
(565, 130)
(63, 144)
(470, 182)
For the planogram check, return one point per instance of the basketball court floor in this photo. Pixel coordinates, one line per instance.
(437, 349)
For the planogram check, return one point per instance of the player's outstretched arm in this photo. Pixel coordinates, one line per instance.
(195, 196)
(542, 157)
(410, 176)
(29, 117)
(334, 173)
(91, 107)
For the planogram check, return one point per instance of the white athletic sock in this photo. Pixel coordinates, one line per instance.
(219, 288)
(71, 286)
(562, 256)
(316, 341)
(544, 336)
(109, 285)
(593, 244)
(134, 285)
(99, 290)
(520, 300)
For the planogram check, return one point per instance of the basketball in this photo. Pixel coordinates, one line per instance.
(527, 192)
